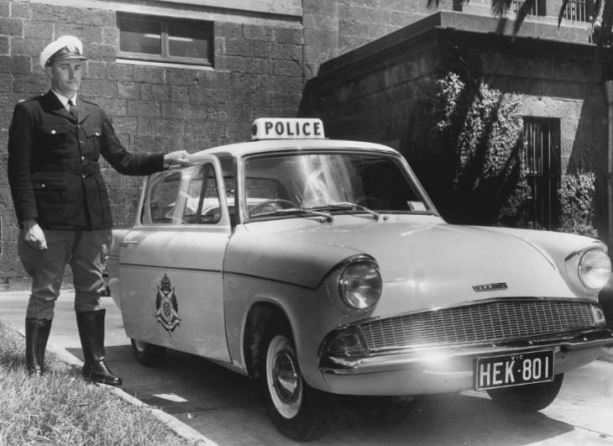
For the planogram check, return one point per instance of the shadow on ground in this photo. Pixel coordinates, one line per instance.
(209, 396)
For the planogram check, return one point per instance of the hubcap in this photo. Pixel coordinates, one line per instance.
(283, 377)
(286, 377)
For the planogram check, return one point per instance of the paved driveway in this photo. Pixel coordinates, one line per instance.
(226, 408)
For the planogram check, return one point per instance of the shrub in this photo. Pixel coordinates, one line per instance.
(576, 195)
(472, 161)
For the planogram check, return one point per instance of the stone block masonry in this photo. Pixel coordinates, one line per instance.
(262, 59)
(163, 107)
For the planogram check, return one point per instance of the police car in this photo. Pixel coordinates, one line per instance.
(321, 266)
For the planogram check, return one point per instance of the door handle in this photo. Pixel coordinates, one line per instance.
(128, 243)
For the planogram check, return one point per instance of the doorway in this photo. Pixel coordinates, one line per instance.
(542, 150)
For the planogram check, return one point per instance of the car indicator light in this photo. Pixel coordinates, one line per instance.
(599, 317)
(347, 343)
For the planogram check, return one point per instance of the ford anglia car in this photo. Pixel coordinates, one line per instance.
(321, 267)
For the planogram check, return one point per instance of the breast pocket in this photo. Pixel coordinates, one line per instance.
(54, 136)
(92, 141)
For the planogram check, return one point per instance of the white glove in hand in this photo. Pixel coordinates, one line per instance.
(33, 235)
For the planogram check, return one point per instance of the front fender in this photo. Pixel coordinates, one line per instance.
(267, 256)
(309, 312)
(559, 248)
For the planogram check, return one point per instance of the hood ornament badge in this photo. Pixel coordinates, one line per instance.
(491, 287)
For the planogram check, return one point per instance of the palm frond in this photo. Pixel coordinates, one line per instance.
(523, 11)
(502, 25)
(607, 14)
(562, 11)
(606, 23)
(501, 7)
(595, 10)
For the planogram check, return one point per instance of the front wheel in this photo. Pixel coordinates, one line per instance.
(528, 398)
(148, 354)
(295, 409)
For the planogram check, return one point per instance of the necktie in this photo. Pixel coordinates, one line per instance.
(72, 108)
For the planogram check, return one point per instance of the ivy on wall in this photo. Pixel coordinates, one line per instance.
(469, 153)
(576, 194)
(471, 159)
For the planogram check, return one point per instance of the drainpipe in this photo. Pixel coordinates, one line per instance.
(609, 96)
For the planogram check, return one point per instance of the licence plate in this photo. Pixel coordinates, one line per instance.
(492, 372)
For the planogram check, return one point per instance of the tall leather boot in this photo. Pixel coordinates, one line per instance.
(91, 332)
(37, 334)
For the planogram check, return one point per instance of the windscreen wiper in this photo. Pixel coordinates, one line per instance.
(291, 211)
(346, 205)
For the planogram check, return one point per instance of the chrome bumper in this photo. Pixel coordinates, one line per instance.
(446, 369)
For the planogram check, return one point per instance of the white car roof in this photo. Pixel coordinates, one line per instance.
(242, 149)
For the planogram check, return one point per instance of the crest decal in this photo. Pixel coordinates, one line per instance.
(167, 308)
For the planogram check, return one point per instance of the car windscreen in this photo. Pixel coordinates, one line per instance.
(329, 182)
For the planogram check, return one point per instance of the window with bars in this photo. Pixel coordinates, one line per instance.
(539, 7)
(579, 10)
(575, 11)
(161, 39)
(542, 156)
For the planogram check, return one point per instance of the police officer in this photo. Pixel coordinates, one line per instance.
(61, 202)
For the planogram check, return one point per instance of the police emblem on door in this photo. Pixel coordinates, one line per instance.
(167, 313)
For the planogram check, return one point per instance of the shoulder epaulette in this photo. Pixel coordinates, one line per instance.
(33, 98)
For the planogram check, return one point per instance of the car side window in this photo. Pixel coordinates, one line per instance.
(163, 192)
(202, 205)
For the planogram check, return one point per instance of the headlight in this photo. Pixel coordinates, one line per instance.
(594, 268)
(360, 284)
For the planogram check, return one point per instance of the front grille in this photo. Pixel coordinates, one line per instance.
(479, 323)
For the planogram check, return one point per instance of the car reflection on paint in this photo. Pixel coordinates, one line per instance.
(320, 266)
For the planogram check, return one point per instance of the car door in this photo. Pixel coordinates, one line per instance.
(170, 273)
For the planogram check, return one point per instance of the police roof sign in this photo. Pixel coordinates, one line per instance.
(287, 128)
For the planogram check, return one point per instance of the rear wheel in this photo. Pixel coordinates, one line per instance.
(148, 354)
(295, 409)
(528, 398)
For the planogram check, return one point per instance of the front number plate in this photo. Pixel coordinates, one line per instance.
(513, 370)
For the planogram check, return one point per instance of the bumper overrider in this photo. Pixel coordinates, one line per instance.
(351, 364)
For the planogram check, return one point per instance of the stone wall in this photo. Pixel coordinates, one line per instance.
(258, 71)
(334, 27)
(264, 52)
(371, 93)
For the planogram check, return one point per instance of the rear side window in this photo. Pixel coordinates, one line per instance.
(202, 205)
(162, 197)
(186, 196)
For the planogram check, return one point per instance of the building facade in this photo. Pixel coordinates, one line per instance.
(190, 74)
(374, 92)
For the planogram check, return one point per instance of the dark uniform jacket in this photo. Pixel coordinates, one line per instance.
(53, 164)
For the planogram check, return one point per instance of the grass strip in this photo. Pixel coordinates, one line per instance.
(60, 408)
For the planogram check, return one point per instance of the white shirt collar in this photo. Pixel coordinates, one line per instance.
(64, 100)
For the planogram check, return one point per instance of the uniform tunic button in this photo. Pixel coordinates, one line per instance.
(82, 158)
(83, 176)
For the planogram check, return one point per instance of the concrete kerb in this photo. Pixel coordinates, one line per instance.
(184, 431)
